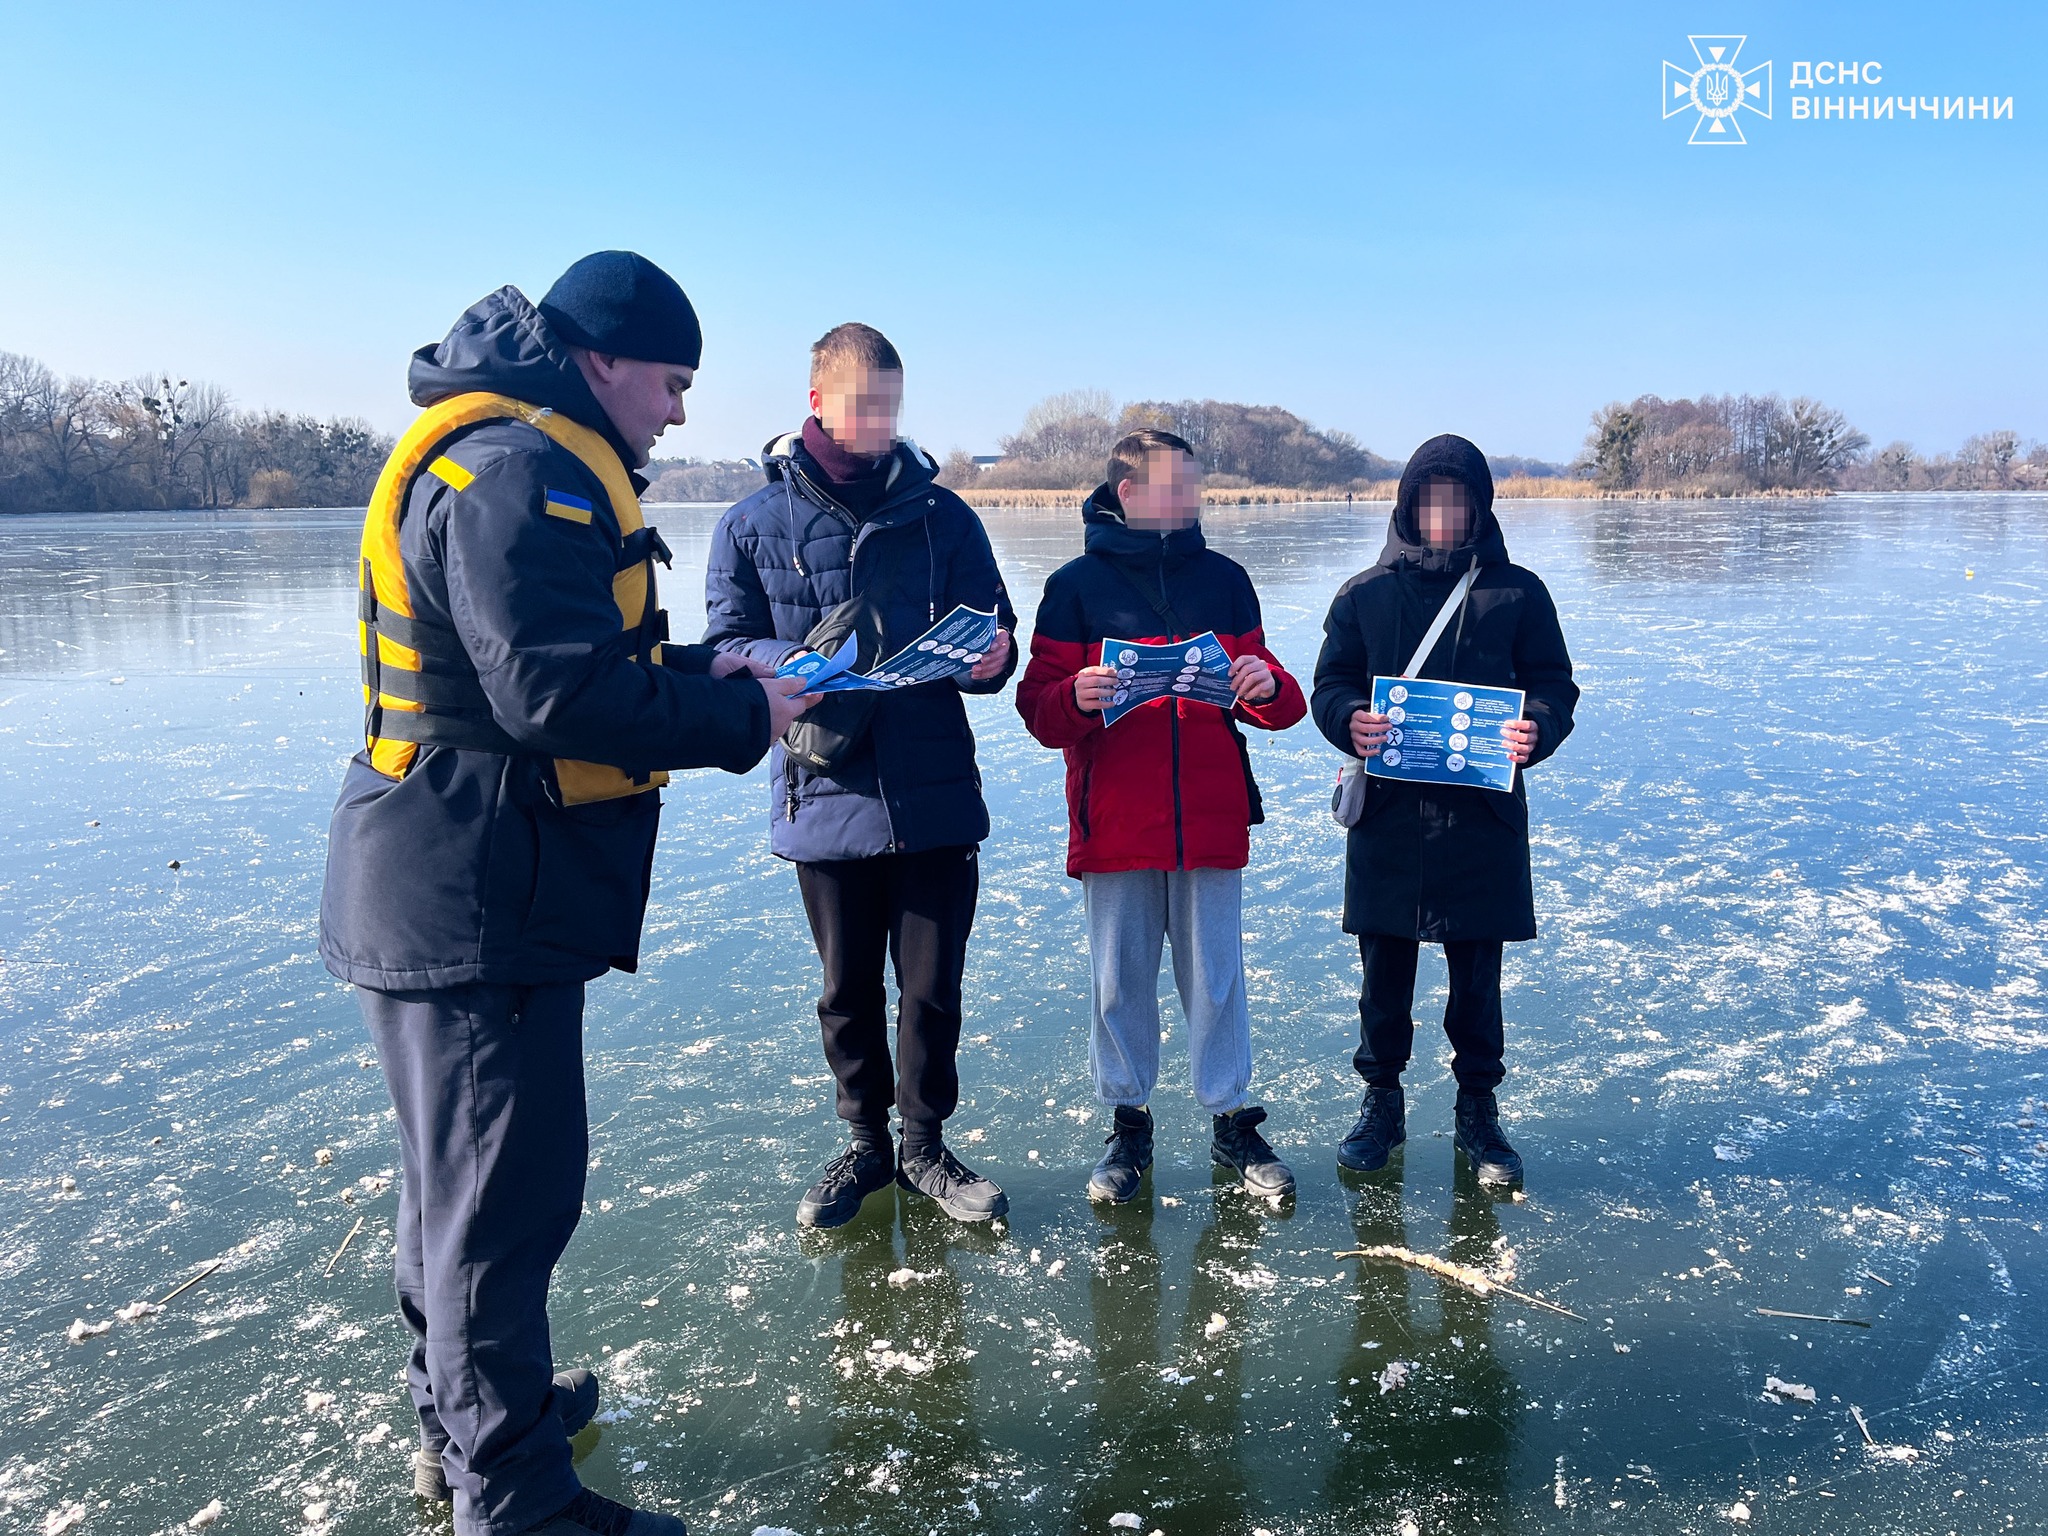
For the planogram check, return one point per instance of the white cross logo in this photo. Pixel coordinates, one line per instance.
(1717, 90)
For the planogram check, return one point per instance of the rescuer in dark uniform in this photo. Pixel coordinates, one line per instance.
(491, 847)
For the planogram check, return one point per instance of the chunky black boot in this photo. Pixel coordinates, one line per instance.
(1116, 1177)
(1382, 1126)
(962, 1193)
(574, 1400)
(592, 1514)
(1479, 1138)
(1237, 1144)
(846, 1181)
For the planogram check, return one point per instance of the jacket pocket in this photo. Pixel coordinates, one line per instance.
(1510, 808)
(1255, 804)
(591, 869)
(1081, 800)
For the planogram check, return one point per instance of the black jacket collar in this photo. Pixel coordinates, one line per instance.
(1108, 535)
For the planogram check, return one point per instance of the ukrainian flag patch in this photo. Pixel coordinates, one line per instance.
(562, 504)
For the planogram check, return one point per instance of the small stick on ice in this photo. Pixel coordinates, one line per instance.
(1812, 1317)
(1880, 1279)
(1868, 1438)
(352, 1231)
(181, 1290)
(1475, 1280)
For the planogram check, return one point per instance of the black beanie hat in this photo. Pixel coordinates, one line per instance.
(621, 303)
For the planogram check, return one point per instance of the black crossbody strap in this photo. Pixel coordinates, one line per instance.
(1156, 601)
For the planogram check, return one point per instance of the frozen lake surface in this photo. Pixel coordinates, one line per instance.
(1781, 1045)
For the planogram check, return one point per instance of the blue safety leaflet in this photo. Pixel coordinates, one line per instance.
(1444, 733)
(1197, 669)
(950, 648)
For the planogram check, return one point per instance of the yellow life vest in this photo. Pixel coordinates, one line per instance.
(419, 685)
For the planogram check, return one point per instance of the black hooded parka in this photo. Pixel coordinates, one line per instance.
(1427, 861)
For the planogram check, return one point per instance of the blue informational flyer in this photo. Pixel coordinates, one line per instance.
(1197, 669)
(950, 648)
(1444, 733)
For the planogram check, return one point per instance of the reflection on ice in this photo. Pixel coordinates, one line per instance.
(1781, 1046)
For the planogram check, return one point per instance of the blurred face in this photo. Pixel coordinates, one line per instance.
(859, 407)
(1169, 497)
(642, 399)
(1445, 513)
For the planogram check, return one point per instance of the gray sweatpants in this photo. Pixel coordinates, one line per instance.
(1130, 914)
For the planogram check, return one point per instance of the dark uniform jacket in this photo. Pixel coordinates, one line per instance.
(1440, 862)
(471, 868)
(789, 554)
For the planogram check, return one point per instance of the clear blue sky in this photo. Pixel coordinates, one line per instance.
(1394, 220)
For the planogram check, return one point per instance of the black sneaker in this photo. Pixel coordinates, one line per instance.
(847, 1180)
(1123, 1166)
(574, 1400)
(1382, 1126)
(1478, 1137)
(1238, 1144)
(962, 1193)
(592, 1514)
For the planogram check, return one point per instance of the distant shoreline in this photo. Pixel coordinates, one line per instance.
(1381, 495)
(1511, 488)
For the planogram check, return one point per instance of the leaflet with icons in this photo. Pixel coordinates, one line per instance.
(1444, 733)
(950, 648)
(1197, 669)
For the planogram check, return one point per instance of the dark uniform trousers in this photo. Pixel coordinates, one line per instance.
(488, 1084)
(1472, 1014)
(917, 910)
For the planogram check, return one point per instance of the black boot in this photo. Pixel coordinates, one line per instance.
(1116, 1177)
(1382, 1126)
(592, 1514)
(1238, 1144)
(574, 1400)
(845, 1182)
(1479, 1138)
(962, 1193)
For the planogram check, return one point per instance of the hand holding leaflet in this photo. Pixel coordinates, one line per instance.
(950, 648)
(1444, 733)
(1197, 669)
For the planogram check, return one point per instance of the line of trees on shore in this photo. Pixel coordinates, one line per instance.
(94, 445)
(1065, 440)
(89, 445)
(1732, 445)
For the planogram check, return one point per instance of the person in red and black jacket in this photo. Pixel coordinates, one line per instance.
(1159, 804)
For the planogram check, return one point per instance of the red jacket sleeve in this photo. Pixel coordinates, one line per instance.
(1287, 706)
(1045, 697)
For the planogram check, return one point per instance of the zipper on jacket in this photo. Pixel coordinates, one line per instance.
(1180, 851)
(1087, 783)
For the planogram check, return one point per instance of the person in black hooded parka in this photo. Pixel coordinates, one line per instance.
(1440, 864)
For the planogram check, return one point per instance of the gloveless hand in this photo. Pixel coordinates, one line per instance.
(1519, 737)
(1092, 689)
(992, 663)
(1368, 732)
(732, 664)
(1253, 679)
(786, 700)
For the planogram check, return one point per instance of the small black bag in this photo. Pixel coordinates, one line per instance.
(831, 730)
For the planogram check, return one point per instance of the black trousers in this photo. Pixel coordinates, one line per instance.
(488, 1084)
(915, 911)
(1472, 1016)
